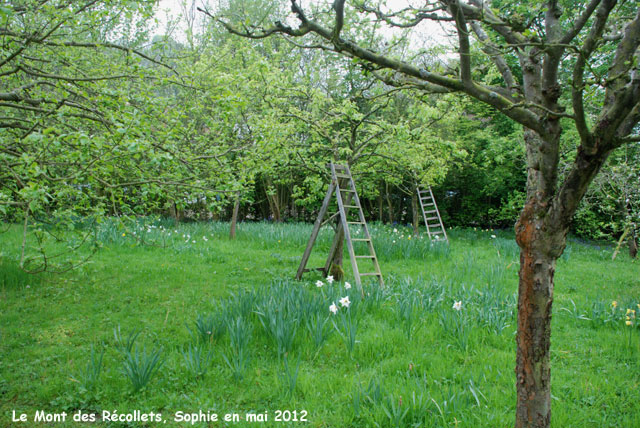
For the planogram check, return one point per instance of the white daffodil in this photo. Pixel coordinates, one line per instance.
(347, 286)
(330, 279)
(319, 283)
(493, 236)
(345, 302)
(333, 308)
(457, 305)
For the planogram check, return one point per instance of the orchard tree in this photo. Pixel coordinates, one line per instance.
(551, 56)
(66, 68)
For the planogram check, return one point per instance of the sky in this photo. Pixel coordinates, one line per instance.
(427, 34)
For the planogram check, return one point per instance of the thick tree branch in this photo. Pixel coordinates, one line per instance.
(495, 54)
(338, 6)
(577, 91)
(578, 24)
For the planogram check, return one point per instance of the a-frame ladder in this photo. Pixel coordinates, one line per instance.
(431, 215)
(343, 186)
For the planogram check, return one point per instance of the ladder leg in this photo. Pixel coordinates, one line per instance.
(347, 235)
(424, 215)
(339, 236)
(315, 231)
(435, 206)
(367, 235)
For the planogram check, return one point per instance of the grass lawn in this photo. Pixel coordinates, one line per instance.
(229, 331)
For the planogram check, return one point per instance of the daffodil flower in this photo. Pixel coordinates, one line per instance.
(457, 305)
(319, 284)
(345, 302)
(347, 286)
(333, 308)
(330, 279)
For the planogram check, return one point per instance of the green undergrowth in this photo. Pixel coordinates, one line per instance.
(169, 318)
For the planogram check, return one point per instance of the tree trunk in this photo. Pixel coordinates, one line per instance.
(633, 243)
(175, 212)
(234, 218)
(337, 269)
(535, 298)
(389, 204)
(416, 214)
(541, 233)
(380, 208)
(272, 197)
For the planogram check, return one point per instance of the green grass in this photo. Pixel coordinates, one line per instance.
(415, 360)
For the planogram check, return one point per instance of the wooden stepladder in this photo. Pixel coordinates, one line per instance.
(348, 207)
(431, 215)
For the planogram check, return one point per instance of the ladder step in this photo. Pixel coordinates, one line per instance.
(432, 218)
(347, 190)
(365, 257)
(434, 225)
(350, 206)
(342, 175)
(431, 212)
(370, 274)
(361, 239)
(355, 222)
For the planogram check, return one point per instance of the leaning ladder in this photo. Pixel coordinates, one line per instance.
(434, 224)
(342, 183)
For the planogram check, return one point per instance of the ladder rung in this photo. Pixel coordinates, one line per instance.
(355, 222)
(434, 225)
(342, 175)
(430, 212)
(347, 190)
(370, 274)
(350, 206)
(432, 218)
(365, 257)
(361, 239)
